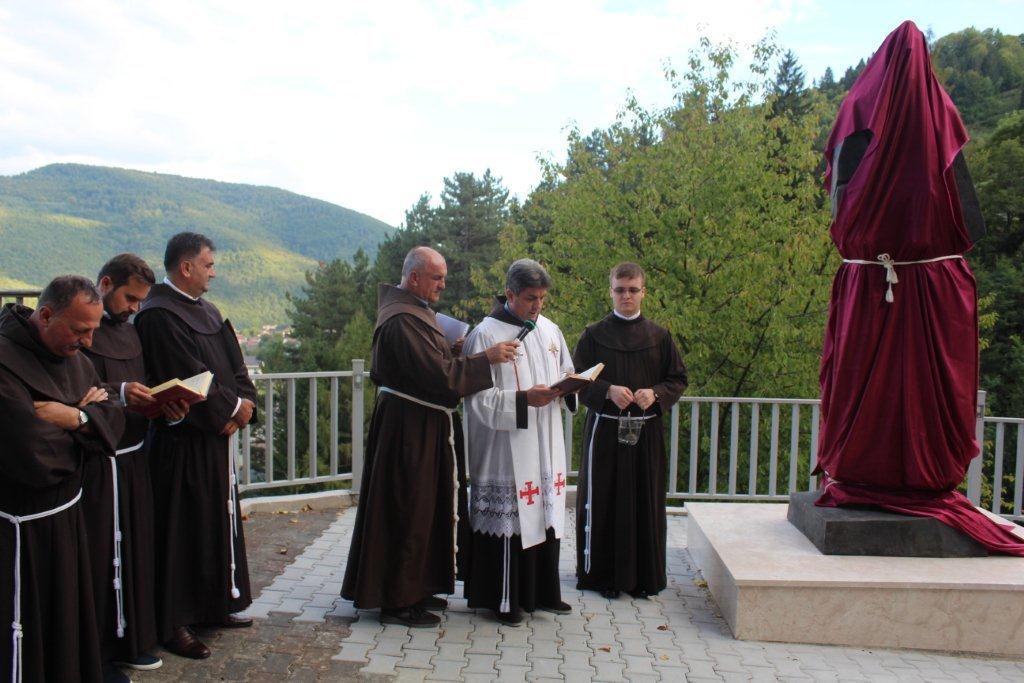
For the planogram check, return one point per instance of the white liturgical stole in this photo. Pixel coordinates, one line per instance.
(517, 476)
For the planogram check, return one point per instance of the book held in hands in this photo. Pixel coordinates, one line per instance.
(573, 382)
(191, 390)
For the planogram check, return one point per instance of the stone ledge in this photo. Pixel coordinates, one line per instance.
(322, 500)
(341, 499)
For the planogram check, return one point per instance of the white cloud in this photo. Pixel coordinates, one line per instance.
(364, 104)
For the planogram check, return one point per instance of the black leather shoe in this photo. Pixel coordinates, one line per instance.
(639, 594)
(185, 644)
(433, 603)
(235, 621)
(610, 593)
(509, 618)
(413, 617)
(560, 608)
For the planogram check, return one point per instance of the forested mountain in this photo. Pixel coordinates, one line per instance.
(69, 218)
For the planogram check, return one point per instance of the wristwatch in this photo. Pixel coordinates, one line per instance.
(83, 418)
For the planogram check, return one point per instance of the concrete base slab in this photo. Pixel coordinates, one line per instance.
(771, 583)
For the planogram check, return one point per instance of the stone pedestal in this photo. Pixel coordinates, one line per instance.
(772, 583)
(866, 531)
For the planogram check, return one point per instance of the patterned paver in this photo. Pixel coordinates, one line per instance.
(677, 635)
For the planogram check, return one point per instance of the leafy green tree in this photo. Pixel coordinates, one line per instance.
(998, 261)
(739, 277)
(982, 70)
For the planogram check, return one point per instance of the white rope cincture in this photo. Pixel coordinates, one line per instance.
(16, 629)
(891, 278)
(505, 605)
(590, 494)
(590, 486)
(232, 518)
(455, 468)
(118, 559)
(118, 583)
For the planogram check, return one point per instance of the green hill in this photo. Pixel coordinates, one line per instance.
(69, 218)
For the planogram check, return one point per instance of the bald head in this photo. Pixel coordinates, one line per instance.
(423, 273)
(417, 259)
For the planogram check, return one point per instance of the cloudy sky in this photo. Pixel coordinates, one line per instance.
(369, 105)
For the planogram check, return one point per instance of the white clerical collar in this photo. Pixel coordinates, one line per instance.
(626, 317)
(167, 281)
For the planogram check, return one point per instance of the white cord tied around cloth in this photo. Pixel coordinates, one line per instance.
(118, 556)
(16, 630)
(587, 530)
(118, 561)
(232, 518)
(455, 468)
(891, 278)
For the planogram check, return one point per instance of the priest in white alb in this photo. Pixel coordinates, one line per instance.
(517, 459)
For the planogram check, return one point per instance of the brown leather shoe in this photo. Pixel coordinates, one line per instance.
(185, 644)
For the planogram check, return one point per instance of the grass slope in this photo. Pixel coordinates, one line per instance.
(69, 218)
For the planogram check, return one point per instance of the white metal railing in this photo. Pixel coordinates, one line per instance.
(263, 440)
(719, 448)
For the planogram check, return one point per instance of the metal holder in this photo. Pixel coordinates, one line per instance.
(630, 427)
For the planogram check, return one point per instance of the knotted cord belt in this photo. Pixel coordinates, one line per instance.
(886, 262)
(590, 486)
(455, 466)
(16, 634)
(118, 558)
(232, 517)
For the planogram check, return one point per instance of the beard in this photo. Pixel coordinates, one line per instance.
(121, 317)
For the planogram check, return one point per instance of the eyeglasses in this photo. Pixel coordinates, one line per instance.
(622, 290)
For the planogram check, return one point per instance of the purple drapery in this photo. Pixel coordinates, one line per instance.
(899, 378)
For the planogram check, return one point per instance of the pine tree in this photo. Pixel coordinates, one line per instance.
(788, 90)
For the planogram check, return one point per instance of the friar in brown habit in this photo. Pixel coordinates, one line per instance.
(54, 415)
(202, 577)
(620, 505)
(118, 494)
(404, 541)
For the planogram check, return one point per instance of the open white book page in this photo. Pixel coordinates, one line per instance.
(453, 328)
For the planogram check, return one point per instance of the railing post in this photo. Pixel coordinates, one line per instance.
(974, 470)
(358, 372)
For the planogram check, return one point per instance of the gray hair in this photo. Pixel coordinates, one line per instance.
(416, 259)
(63, 290)
(526, 274)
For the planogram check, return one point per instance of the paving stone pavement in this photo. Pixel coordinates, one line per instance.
(675, 636)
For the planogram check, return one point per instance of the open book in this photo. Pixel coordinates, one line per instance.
(192, 390)
(573, 382)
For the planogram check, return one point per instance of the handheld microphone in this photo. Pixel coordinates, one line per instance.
(528, 327)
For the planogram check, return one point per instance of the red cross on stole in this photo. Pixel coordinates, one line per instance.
(528, 492)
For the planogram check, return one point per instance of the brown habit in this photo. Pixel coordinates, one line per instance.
(192, 479)
(402, 544)
(623, 485)
(41, 469)
(116, 354)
